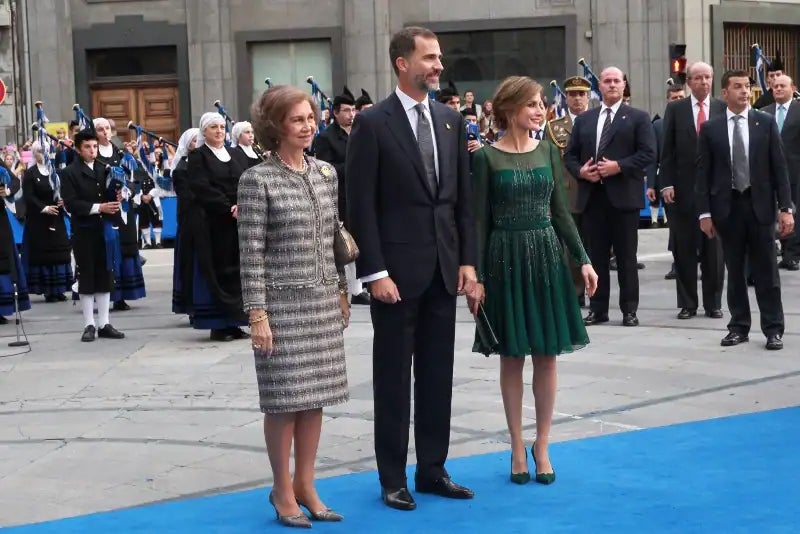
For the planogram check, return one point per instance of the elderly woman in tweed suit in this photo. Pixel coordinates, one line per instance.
(294, 293)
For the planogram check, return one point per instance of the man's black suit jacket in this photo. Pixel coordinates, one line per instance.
(331, 146)
(632, 145)
(679, 150)
(790, 135)
(399, 224)
(769, 182)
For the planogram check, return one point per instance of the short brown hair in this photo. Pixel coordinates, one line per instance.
(404, 43)
(270, 110)
(512, 94)
(726, 78)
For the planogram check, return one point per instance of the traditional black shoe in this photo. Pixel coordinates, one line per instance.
(671, 275)
(158, 245)
(88, 334)
(595, 318)
(686, 313)
(714, 314)
(399, 499)
(61, 298)
(362, 298)
(110, 332)
(221, 335)
(443, 487)
(121, 305)
(49, 299)
(733, 338)
(791, 265)
(238, 333)
(774, 342)
(630, 319)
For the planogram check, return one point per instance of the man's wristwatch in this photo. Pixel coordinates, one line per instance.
(790, 211)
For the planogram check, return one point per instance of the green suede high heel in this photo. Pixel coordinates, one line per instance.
(520, 478)
(542, 478)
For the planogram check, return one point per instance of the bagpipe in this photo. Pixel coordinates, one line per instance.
(268, 82)
(46, 140)
(84, 120)
(559, 104)
(229, 122)
(152, 135)
(322, 101)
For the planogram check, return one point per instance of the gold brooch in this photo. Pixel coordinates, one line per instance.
(326, 171)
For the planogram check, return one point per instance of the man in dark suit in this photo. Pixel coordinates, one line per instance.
(741, 175)
(331, 146)
(674, 92)
(83, 188)
(786, 111)
(682, 121)
(409, 202)
(609, 150)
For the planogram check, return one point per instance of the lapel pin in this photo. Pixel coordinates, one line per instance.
(624, 117)
(447, 125)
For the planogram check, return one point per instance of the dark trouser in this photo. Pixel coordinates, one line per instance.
(688, 241)
(791, 245)
(607, 227)
(425, 328)
(744, 237)
(574, 268)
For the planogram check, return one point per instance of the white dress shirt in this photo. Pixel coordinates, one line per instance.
(745, 137)
(572, 116)
(601, 120)
(409, 105)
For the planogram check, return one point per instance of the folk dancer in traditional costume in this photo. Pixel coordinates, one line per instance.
(214, 177)
(86, 197)
(129, 280)
(11, 273)
(183, 257)
(47, 252)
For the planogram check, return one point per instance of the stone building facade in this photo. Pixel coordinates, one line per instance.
(164, 62)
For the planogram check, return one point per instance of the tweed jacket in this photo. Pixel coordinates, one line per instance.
(286, 224)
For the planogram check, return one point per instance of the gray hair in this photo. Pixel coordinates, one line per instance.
(698, 64)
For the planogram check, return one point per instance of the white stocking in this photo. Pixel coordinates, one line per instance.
(87, 306)
(103, 307)
(157, 232)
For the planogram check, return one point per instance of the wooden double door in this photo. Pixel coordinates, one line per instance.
(155, 108)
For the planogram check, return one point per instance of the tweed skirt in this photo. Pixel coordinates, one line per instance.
(306, 369)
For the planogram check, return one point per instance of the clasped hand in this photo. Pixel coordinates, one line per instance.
(594, 172)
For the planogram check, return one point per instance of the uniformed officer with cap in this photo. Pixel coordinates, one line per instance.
(577, 89)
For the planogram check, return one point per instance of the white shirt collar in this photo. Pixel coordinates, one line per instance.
(106, 150)
(785, 105)
(614, 108)
(221, 153)
(248, 149)
(408, 102)
(43, 169)
(730, 114)
(706, 101)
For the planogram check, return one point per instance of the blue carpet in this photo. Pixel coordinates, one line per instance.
(735, 474)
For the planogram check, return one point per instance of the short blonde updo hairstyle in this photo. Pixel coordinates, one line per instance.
(512, 94)
(270, 109)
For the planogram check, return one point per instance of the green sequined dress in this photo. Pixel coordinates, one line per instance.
(522, 219)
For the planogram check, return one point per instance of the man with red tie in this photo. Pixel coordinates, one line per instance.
(682, 122)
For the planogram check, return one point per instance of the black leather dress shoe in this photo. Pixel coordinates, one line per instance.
(686, 313)
(774, 342)
(595, 318)
(733, 338)
(640, 265)
(399, 499)
(444, 487)
(630, 319)
(671, 275)
(791, 265)
(714, 314)
(110, 332)
(88, 334)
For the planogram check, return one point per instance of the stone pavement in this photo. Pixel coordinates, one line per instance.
(167, 414)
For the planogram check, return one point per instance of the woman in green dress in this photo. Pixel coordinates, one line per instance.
(522, 220)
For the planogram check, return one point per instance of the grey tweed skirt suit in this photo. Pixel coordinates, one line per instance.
(286, 226)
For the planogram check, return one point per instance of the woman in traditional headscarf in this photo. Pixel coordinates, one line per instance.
(217, 289)
(47, 250)
(11, 272)
(183, 256)
(243, 140)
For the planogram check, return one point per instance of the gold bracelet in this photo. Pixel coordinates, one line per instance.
(259, 319)
(343, 291)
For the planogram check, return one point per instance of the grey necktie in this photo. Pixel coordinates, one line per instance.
(739, 164)
(425, 142)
